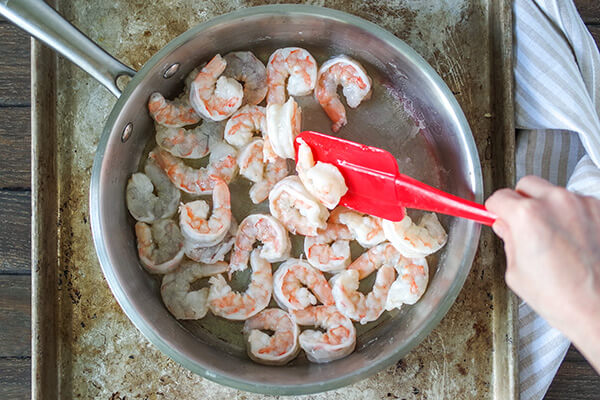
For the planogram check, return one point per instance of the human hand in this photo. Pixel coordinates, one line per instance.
(552, 245)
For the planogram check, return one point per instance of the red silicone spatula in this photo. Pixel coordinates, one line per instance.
(376, 187)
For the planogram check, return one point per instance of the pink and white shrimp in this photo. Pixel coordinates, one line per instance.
(284, 122)
(201, 231)
(171, 114)
(329, 250)
(245, 123)
(264, 228)
(416, 240)
(226, 303)
(176, 292)
(276, 349)
(212, 254)
(297, 285)
(264, 174)
(297, 209)
(409, 287)
(374, 258)
(297, 66)
(244, 67)
(213, 96)
(366, 229)
(322, 180)
(160, 246)
(355, 82)
(337, 342)
(142, 203)
(222, 164)
(189, 143)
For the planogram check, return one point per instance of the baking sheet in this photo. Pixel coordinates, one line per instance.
(83, 344)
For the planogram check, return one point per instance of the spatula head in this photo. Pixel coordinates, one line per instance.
(369, 173)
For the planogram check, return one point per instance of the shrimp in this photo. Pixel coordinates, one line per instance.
(329, 251)
(284, 122)
(176, 292)
(212, 254)
(264, 174)
(374, 258)
(199, 230)
(413, 276)
(245, 123)
(356, 84)
(276, 349)
(293, 282)
(142, 203)
(354, 304)
(297, 66)
(264, 228)
(188, 143)
(226, 303)
(221, 164)
(171, 114)
(243, 66)
(337, 342)
(160, 246)
(213, 96)
(366, 229)
(297, 209)
(322, 180)
(416, 240)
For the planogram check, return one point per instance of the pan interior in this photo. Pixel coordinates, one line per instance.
(407, 115)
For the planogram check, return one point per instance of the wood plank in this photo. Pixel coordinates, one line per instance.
(15, 378)
(14, 64)
(15, 238)
(595, 31)
(589, 10)
(15, 316)
(15, 147)
(575, 380)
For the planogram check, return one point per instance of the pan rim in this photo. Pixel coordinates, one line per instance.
(472, 230)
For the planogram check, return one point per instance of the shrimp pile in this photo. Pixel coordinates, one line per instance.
(238, 118)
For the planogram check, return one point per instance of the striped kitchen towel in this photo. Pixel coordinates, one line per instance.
(557, 103)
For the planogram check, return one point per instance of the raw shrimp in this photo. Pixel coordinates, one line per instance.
(374, 258)
(354, 304)
(172, 114)
(245, 123)
(264, 228)
(366, 229)
(221, 164)
(276, 349)
(188, 143)
(416, 240)
(212, 254)
(329, 251)
(160, 246)
(413, 276)
(176, 291)
(264, 174)
(226, 303)
(195, 226)
(243, 66)
(355, 82)
(143, 204)
(297, 209)
(213, 96)
(284, 122)
(294, 283)
(337, 342)
(322, 180)
(295, 65)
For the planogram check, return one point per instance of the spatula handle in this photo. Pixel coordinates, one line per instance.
(414, 194)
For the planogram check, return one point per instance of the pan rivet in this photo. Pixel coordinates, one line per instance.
(126, 132)
(171, 71)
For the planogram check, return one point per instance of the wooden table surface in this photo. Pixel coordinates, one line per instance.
(575, 379)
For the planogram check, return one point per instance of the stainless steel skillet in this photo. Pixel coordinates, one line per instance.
(440, 142)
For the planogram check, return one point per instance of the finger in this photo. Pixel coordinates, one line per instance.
(500, 228)
(534, 186)
(502, 202)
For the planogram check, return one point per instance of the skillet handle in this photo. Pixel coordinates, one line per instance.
(41, 21)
